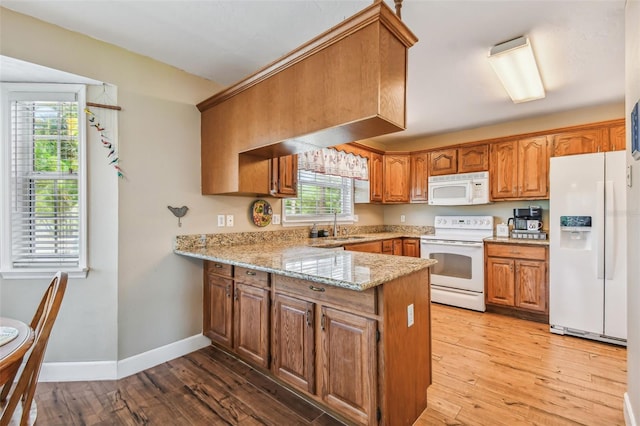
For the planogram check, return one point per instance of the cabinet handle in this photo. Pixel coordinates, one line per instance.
(308, 318)
(250, 273)
(511, 267)
(314, 288)
(322, 321)
(228, 290)
(235, 293)
(219, 266)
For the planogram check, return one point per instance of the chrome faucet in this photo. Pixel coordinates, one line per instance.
(335, 223)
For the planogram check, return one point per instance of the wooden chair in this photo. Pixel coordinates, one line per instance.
(25, 388)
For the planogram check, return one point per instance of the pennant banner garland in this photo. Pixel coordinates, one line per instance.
(112, 155)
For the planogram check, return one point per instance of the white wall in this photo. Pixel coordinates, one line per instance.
(632, 54)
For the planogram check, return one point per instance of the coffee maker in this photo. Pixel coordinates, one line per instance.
(527, 223)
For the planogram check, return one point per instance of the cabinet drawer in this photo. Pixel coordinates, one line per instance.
(362, 301)
(251, 276)
(517, 251)
(218, 268)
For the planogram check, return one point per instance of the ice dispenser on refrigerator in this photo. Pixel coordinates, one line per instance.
(575, 232)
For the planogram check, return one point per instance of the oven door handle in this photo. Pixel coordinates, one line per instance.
(451, 243)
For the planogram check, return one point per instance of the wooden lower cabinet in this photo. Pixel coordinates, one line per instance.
(349, 364)
(293, 342)
(218, 304)
(516, 280)
(411, 247)
(346, 350)
(368, 247)
(251, 323)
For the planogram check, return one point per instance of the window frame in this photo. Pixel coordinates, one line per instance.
(8, 93)
(298, 220)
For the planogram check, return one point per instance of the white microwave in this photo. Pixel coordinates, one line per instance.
(459, 190)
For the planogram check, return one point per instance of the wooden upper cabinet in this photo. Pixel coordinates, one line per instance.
(443, 162)
(347, 84)
(533, 168)
(465, 159)
(419, 171)
(580, 142)
(617, 138)
(375, 177)
(473, 159)
(520, 169)
(284, 176)
(503, 175)
(396, 178)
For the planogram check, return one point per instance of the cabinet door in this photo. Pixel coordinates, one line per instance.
(579, 142)
(284, 175)
(349, 364)
(397, 246)
(251, 323)
(533, 168)
(500, 281)
(370, 247)
(396, 179)
(218, 307)
(419, 177)
(531, 285)
(293, 345)
(473, 159)
(443, 162)
(617, 138)
(411, 247)
(375, 177)
(503, 173)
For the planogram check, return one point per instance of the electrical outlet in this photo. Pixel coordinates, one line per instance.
(275, 219)
(410, 315)
(355, 218)
(229, 220)
(402, 218)
(221, 220)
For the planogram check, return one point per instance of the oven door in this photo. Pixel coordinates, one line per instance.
(460, 264)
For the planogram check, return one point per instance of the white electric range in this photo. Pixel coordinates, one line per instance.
(457, 244)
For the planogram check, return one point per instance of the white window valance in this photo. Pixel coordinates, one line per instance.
(332, 162)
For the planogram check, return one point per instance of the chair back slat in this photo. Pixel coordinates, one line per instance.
(42, 324)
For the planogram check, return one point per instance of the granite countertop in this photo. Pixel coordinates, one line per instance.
(509, 240)
(324, 262)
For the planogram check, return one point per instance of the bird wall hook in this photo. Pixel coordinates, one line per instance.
(178, 212)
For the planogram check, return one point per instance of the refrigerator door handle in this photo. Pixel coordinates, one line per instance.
(608, 230)
(600, 229)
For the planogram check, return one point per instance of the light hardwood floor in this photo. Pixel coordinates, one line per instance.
(488, 369)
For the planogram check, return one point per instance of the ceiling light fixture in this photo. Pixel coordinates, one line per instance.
(516, 67)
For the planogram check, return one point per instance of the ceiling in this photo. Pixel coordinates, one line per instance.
(579, 46)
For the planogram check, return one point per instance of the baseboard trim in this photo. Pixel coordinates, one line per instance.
(629, 417)
(113, 370)
(140, 362)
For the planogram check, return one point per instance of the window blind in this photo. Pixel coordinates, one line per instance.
(320, 195)
(45, 214)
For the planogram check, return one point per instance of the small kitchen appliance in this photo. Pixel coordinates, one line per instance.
(527, 223)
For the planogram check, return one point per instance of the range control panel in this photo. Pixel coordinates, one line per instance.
(464, 222)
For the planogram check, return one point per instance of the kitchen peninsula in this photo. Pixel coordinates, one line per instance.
(346, 329)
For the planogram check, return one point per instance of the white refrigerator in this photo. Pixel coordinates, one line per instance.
(588, 258)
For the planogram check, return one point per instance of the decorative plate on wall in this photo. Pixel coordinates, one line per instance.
(261, 213)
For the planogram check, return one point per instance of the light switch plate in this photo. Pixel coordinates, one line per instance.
(229, 220)
(221, 220)
(275, 219)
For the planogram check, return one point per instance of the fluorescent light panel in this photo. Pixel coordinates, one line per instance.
(516, 67)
